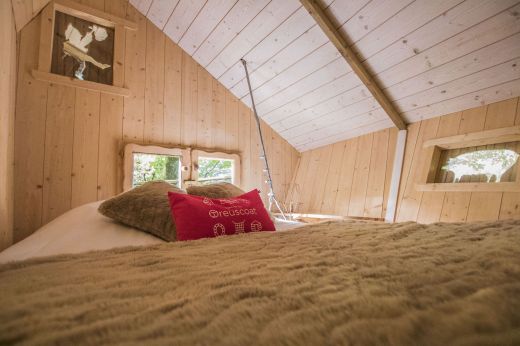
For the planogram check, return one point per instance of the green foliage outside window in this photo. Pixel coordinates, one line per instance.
(215, 171)
(148, 167)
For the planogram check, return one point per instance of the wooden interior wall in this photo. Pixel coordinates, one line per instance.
(7, 103)
(427, 207)
(349, 178)
(68, 140)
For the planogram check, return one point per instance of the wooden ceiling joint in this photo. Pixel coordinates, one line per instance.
(341, 44)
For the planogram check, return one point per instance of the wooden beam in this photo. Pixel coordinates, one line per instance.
(341, 44)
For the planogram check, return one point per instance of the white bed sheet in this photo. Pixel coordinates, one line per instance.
(84, 229)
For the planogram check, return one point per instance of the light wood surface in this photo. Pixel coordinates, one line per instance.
(69, 140)
(83, 84)
(429, 57)
(7, 119)
(361, 188)
(349, 178)
(459, 206)
(359, 69)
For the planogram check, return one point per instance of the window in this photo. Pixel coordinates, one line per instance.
(148, 167)
(478, 162)
(178, 166)
(144, 163)
(214, 170)
(215, 167)
(491, 164)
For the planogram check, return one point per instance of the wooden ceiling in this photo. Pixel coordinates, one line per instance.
(428, 57)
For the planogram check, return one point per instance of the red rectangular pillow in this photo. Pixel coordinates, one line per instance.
(202, 217)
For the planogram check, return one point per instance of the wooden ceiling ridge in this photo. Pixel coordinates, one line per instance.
(350, 56)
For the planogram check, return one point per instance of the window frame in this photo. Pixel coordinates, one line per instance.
(432, 151)
(132, 148)
(189, 161)
(197, 153)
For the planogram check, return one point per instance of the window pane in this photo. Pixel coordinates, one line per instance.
(148, 167)
(213, 170)
(491, 163)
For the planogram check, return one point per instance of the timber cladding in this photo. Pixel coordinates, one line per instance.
(68, 140)
(352, 177)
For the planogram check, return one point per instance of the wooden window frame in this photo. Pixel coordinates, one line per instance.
(189, 161)
(68, 7)
(132, 148)
(432, 150)
(196, 153)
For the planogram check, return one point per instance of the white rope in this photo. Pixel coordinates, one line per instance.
(263, 156)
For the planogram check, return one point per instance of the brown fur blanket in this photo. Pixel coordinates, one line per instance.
(332, 283)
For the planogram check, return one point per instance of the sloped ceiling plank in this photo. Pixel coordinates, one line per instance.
(413, 49)
(259, 28)
(231, 25)
(317, 13)
(427, 38)
(452, 80)
(181, 18)
(206, 21)
(160, 11)
(490, 30)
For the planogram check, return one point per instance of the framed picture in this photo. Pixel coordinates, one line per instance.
(82, 47)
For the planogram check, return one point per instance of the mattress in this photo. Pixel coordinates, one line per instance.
(331, 283)
(84, 229)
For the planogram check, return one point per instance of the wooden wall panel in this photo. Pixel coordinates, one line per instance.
(361, 186)
(7, 119)
(85, 147)
(68, 141)
(463, 206)
(348, 178)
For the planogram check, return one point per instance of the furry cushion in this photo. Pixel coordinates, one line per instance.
(218, 190)
(145, 207)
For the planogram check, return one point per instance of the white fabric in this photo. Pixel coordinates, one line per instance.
(84, 229)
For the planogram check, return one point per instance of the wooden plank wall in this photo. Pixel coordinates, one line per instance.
(68, 140)
(7, 102)
(351, 178)
(427, 207)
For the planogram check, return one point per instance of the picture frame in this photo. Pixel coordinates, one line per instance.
(67, 7)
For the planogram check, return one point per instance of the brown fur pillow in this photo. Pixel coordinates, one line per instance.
(145, 207)
(218, 190)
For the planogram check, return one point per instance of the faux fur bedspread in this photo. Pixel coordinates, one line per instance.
(329, 283)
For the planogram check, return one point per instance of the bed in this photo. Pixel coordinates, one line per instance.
(341, 282)
(85, 229)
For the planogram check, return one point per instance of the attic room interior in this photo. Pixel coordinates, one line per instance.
(284, 172)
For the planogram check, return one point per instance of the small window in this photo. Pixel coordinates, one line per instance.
(486, 161)
(148, 167)
(215, 170)
(143, 163)
(490, 164)
(215, 167)
(178, 166)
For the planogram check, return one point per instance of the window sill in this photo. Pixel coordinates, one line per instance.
(469, 187)
(72, 82)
